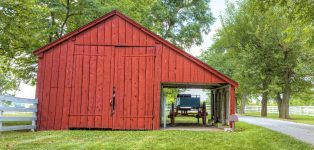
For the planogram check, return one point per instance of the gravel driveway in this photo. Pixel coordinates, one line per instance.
(300, 131)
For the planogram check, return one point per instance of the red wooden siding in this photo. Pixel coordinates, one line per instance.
(77, 76)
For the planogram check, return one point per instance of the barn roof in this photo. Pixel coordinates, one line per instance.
(160, 39)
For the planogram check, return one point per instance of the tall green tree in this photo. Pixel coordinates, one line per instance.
(272, 47)
(181, 22)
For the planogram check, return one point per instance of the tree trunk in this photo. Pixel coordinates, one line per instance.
(264, 104)
(243, 101)
(285, 102)
(52, 23)
(286, 87)
(279, 101)
(284, 112)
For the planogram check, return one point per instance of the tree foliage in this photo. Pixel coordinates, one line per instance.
(269, 47)
(26, 25)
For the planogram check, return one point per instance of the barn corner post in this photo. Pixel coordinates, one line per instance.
(38, 90)
(158, 87)
(232, 104)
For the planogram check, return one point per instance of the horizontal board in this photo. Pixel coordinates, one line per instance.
(18, 99)
(17, 109)
(20, 127)
(17, 118)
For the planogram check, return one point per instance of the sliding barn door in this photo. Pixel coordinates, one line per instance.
(133, 86)
(92, 87)
(113, 87)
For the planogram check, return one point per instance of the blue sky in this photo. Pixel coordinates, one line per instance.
(217, 7)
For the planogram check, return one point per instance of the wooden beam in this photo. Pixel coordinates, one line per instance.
(20, 127)
(18, 99)
(17, 118)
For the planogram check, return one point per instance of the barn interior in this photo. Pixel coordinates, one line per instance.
(187, 110)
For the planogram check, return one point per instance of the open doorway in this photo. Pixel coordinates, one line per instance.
(194, 105)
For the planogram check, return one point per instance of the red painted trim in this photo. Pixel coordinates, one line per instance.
(232, 103)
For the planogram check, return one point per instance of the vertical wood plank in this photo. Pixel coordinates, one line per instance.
(66, 108)
(108, 72)
(179, 68)
(199, 75)
(68, 85)
(157, 88)
(165, 64)
(40, 89)
(108, 32)
(134, 91)
(100, 94)
(192, 70)
(115, 30)
(119, 82)
(55, 66)
(208, 77)
(100, 77)
(92, 87)
(149, 87)
(39, 76)
(61, 86)
(141, 87)
(101, 33)
(187, 71)
(128, 78)
(92, 76)
(172, 66)
(121, 74)
(54, 87)
(150, 63)
(122, 33)
(128, 88)
(76, 101)
(111, 59)
(85, 81)
(232, 102)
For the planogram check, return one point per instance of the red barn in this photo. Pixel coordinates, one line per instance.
(109, 74)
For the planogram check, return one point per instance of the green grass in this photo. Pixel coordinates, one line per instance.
(246, 137)
(294, 118)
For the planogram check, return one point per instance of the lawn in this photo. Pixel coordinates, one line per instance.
(246, 137)
(294, 118)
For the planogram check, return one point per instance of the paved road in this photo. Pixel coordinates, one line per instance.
(300, 131)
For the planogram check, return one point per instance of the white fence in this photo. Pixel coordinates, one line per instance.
(297, 110)
(30, 107)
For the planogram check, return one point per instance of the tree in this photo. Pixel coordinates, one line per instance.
(181, 22)
(293, 41)
(27, 25)
(272, 49)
